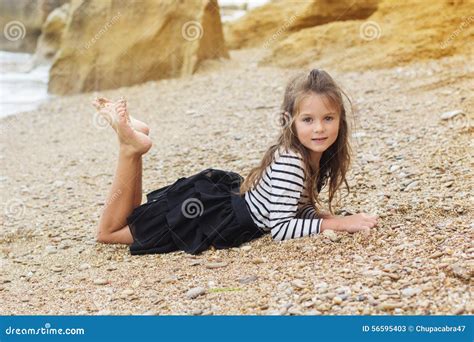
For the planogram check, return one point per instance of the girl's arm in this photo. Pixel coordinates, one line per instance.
(351, 223)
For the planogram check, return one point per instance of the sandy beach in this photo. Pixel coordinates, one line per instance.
(411, 167)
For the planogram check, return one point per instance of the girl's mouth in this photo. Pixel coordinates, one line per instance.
(319, 141)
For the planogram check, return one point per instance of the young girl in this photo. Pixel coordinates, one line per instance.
(220, 208)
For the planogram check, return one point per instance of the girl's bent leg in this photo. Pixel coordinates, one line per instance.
(121, 201)
(125, 193)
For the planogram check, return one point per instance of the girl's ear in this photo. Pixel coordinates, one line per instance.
(286, 118)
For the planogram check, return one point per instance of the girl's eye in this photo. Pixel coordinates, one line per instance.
(330, 118)
(306, 119)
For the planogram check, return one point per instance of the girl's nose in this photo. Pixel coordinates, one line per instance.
(317, 127)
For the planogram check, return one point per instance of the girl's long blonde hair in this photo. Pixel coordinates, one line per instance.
(335, 161)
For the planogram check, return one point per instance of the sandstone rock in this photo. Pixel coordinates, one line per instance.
(382, 40)
(270, 23)
(101, 49)
(21, 22)
(51, 35)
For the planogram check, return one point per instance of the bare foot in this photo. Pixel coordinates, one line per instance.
(106, 108)
(131, 141)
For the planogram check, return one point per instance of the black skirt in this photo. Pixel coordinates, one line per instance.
(192, 214)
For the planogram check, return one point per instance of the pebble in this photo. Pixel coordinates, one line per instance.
(195, 292)
(386, 306)
(212, 265)
(410, 291)
(127, 292)
(298, 283)
(51, 249)
(150, 313)
(459, 310)
(451, 114)
(104, 313)
(411, 186)
(248, 279)
(100, 281)
(57, 268)
(170, 280)
(461, 271)
(84, 266)
(394, 168)
(331, 235)
(246, 248)
(337, 300)
(58, 184)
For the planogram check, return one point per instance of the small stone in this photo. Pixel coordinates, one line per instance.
(195, 292)
(324, 307)
(448, 184)
(51, 249)
(197, 312)
(170, 280)
(150, 313)
(257, 261)
(248, 280)
(313, 313)
(337, 300)
(104, 313)
(393, 276)
(358, 258)
(84, 266)
(331, 235)
(100, 281)
(298, 283)
(451, 114)
(394, 168)
(213, 265)
(436, 255)
(459, 310)
(127, 292)
(58, 184)
(246, 248)
(411, 186)
(461, 271)
(57, 268)
(410, 291)
(386, 306)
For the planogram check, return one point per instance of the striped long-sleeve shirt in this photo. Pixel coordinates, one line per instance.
(280, 203)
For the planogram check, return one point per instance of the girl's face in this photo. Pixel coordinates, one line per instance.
(316, 119)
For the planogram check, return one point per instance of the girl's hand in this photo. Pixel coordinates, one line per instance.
(357, 222)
